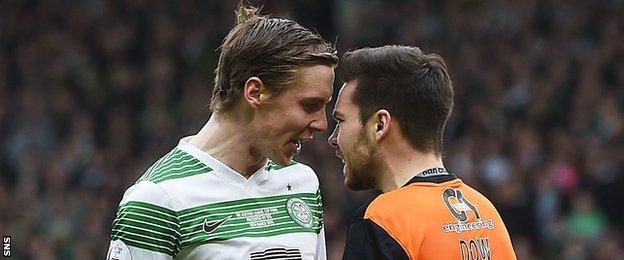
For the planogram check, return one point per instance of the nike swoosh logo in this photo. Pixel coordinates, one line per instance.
(209, 227)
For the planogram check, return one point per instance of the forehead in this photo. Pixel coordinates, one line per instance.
(313, 82)
(344, 103)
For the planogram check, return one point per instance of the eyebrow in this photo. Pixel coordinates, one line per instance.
(315, 100)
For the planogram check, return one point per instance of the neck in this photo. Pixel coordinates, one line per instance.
(400, 167)
(234, 150)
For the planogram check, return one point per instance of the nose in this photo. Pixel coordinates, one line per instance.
(333, 138)
(320, 122)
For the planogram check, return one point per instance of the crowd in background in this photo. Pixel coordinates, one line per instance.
(92, 92)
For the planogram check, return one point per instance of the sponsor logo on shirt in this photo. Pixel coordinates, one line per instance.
(211, 226)
(460, 208)
(468, 226)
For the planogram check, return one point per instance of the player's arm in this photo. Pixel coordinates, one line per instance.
(367, 240)
(145, 226)
(321, 251)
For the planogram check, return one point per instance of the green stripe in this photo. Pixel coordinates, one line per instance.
(154, 228)
(147, 226)
(192, 219)
(181, 173)
(219, 213)
(174, 165)
(177, 162)
(160, 229)
(140, 242)
(268, 231)
(185, 164)
(148, 206)
(245, 227)
(235, 226)
(283, 223)
(149, 215)
(186, 214)
(216, 215)
(265, 233)
(153, 170)
(150, 170)
(131, 228)
(236, 223)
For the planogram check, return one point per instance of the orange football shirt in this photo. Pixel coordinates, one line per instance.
(437, 217)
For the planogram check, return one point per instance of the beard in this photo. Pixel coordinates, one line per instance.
(361, 172)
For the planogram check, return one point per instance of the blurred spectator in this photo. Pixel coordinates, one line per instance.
(585, 221)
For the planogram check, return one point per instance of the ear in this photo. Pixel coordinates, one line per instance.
(254, 92)
(381, 122)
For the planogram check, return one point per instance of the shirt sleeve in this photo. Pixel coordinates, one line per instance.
(367, 240)
(146, 226)
(321, 251)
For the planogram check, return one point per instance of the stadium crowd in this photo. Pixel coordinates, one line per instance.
(92, 93)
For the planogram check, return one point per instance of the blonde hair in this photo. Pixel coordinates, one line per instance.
(272, 49)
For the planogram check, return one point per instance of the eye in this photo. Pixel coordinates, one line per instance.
(310, 107)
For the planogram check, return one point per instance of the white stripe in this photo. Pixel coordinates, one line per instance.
(204, 211)
(236, 218)
(139, 214)
(178, 162)
(166, 175)
(233, 225)
(229, 207)
(259, 232)
(180, 167)
(148, 223)
(144, 229)
(242, 230)
(147, 244)
(152, 170)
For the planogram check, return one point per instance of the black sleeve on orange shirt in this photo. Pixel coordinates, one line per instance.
(367, 240)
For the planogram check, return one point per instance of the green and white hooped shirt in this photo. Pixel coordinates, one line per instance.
(188, 205)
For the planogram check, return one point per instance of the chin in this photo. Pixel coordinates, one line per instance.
(349, 181)
(353, 185)
(282, 159)
(357, 184)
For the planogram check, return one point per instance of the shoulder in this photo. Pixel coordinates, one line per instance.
(396, 212)
(394, 202)
(147, 192)
(176, 164)
(145, 223)
(367, 239)
(359, 214)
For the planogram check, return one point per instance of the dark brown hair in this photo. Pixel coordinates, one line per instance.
(271, 49)
(413, 86)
